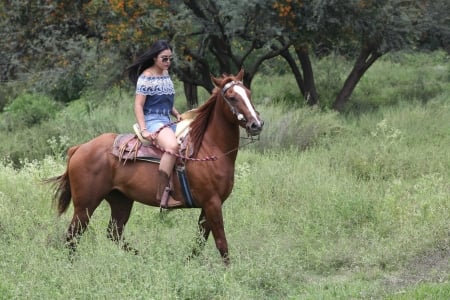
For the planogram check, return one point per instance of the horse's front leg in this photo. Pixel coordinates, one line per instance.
(213, 212)
(203, 234)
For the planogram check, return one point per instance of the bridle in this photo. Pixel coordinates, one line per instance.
(238, 115)
(225, 88)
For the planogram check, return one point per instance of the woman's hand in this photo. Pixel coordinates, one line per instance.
(148, 135)
(176, 114)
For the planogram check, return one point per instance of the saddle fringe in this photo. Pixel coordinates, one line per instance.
(131, 148)
(132, 151)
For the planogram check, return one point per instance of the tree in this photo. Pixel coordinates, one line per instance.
(377, 27)
(293, 20)
(127, 26)
(62, 42)
(43, 42)
(233, 33)
(435, 25)
(222, 36)
(214, 37)
(373, 27)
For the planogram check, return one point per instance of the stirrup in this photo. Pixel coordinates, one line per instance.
(164, 204)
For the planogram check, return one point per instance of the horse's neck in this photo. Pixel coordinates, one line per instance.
(222, 132)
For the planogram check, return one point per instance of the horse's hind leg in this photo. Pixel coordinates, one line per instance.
(78, 225)
(120, 213)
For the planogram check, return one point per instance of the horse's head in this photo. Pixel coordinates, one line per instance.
(239, 99)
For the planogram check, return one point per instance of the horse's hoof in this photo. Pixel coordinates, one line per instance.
(128, 248)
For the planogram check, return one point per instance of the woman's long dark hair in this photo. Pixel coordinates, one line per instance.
(146, 60)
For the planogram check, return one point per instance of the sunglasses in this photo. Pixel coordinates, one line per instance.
(165, 59)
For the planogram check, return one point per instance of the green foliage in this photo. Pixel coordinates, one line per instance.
(381, 159)
(63, 47)
(329, 79)
(436, 26)
(422, 78)
(92, 115)
(84, 66)
(384, 154)
(6, 93)
(290, 127)
(28, 110)
(68, 87)
(424, 291)
(58, 146)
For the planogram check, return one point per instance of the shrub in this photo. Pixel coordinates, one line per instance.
(6, 94)
(28, 110)
(299, 128)
(68, 87)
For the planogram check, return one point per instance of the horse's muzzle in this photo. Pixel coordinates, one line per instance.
(254, 127)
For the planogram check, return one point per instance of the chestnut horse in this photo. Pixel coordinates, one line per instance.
(94, 174)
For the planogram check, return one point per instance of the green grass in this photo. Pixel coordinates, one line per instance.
(425, 291)
(421, 79)
(361, 214)
(325, 206)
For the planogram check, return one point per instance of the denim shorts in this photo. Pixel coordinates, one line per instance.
(153, 122)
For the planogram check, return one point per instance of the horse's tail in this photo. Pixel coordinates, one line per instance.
(63, 195)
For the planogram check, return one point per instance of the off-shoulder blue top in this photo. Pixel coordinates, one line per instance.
(159, 92)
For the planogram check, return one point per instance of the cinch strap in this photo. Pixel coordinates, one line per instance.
(185, 188)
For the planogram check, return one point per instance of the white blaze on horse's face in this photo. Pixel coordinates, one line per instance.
(241, 92)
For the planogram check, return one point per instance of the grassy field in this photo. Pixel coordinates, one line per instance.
(325, 206)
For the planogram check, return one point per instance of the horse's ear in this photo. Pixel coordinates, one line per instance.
(240, 75)
(216, 81)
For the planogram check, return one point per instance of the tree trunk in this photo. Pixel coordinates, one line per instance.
(366, 58)
(190, 90)
(294, 68)
(251, 70)
(310, 92)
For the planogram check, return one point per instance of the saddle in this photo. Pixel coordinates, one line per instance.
(134, 147)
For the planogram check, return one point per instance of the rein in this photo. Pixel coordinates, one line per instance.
(238, 115)
(206, 158)
(251, 141)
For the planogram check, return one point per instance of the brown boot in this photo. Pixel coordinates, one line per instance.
(163, 193)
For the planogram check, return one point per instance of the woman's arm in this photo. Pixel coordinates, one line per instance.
(139, 101)
(176, 114)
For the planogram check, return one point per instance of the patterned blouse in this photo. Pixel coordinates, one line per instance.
(159, 92)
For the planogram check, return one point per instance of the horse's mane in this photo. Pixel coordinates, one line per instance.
(198, 126)
(201, 121)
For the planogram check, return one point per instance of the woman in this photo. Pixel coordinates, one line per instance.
(153, 105)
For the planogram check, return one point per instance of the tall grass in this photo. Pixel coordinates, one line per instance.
(325, 206)
(301, 224)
